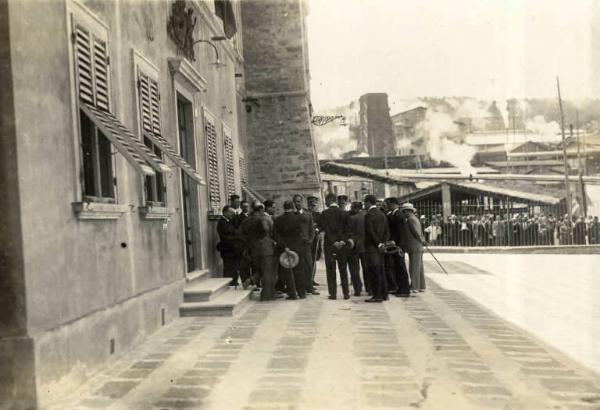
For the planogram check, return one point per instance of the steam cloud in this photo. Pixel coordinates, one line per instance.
(440, 132)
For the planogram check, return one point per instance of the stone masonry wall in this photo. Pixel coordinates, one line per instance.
(281, 152)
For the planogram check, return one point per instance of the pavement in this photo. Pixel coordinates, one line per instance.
(442, 349)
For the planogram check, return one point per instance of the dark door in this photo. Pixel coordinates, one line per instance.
(188, 186)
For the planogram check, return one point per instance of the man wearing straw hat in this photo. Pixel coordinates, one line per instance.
(413, 245)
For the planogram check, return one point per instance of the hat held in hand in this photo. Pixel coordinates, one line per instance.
(289, 259)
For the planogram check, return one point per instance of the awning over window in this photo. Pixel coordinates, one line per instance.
(138, 155)
(169, 151)
(252, 195)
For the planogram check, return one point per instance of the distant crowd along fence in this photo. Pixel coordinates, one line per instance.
(523, 224)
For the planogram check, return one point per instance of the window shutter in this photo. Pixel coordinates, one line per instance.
(84, 67)
(93, 77)
(243, 171)
(144, 91)
(101, 74)
(229, 164)
(213, 166)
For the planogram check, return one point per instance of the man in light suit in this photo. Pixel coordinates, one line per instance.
(377, 232)
(413, 245)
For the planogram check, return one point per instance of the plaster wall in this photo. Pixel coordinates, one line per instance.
(79, 275)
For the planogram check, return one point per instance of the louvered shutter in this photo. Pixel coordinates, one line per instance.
(151, 129)
(213, 166)
(243, 171)
(229, 164)
(93, 74)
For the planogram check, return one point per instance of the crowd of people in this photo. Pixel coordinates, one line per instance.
(277, 254)
(520, 229)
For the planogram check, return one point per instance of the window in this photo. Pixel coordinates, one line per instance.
(214, 190)
(91, 62)
(229, 162)
(155, 190)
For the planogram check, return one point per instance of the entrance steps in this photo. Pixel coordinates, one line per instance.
(207, 296)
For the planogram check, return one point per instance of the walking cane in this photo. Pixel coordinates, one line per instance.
(436, 259)
(314, 259)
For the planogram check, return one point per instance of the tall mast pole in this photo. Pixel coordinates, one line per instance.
(564, 146)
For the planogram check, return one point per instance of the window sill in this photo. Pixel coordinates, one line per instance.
(97, 211)
(155, 212)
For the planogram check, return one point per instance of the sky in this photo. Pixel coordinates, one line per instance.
(489, 49)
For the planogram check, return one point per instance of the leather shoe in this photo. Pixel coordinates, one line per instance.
(346, 297)
(314, 292)
(332, 297)
(291, 298)
(373, 300)
(402, 295)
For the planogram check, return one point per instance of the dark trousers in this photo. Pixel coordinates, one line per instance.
(306, 266)
(295, 281)
(332, 256)
(354, 261)
(374, 262)
(267, 265)
(401, 276)
(231, 263)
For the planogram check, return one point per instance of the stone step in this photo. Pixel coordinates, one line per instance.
(225, 304)
(204, 290)
(197, 276)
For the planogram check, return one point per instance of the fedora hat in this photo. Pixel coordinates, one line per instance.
(407, 206)
(289, 259)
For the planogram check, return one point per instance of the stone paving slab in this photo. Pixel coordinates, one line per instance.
(437, 350)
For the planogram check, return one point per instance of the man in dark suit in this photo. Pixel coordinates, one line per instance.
(257, 231)
(356, 252)
(333, 222)
(229, 245)
(377, 232)
(307, 235)
(312, 203)
(287, 233)
(396, 224)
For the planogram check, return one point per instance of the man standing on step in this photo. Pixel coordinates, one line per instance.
(287, 233)
(377, 232)
(307, 235)
(333, 222)
(229, 245)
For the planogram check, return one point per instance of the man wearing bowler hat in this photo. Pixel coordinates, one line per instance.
(287, 233)
(413, 245)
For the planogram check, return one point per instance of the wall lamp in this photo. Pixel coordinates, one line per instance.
(217, 62)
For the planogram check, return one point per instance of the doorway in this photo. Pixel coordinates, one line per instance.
(189, 189)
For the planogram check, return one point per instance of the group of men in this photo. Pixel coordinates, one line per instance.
(252, 240)
(516, 230)
(375, 237)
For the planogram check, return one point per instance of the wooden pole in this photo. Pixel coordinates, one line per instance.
(562, 131)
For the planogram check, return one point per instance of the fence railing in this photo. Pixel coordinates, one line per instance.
(518, 225)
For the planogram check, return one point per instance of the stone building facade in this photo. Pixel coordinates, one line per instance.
(118, 147)
(376, 136)
(282, 158)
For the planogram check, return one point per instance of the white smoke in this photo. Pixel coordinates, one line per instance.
(334, 139)
(438, 130)
(548, 130)
(472, 108)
